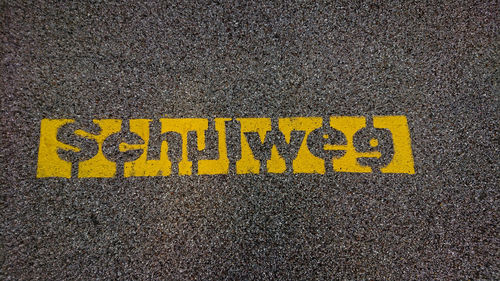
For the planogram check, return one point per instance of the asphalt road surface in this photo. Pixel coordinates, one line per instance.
(435, 63)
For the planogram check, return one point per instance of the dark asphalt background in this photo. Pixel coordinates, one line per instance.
(436, 63)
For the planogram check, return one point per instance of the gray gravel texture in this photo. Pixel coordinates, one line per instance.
(436, 63)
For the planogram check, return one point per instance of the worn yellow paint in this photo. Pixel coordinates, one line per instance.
(402, 161)
(183, 126)
(220, 165)
(248, 164)
(49, 162)
(305, 162)
(349, 163)
(142, 166)
(276, 164)
(373, 142)
(51, 165)
(98, 166)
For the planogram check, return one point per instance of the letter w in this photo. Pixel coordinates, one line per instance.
(275, 151)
